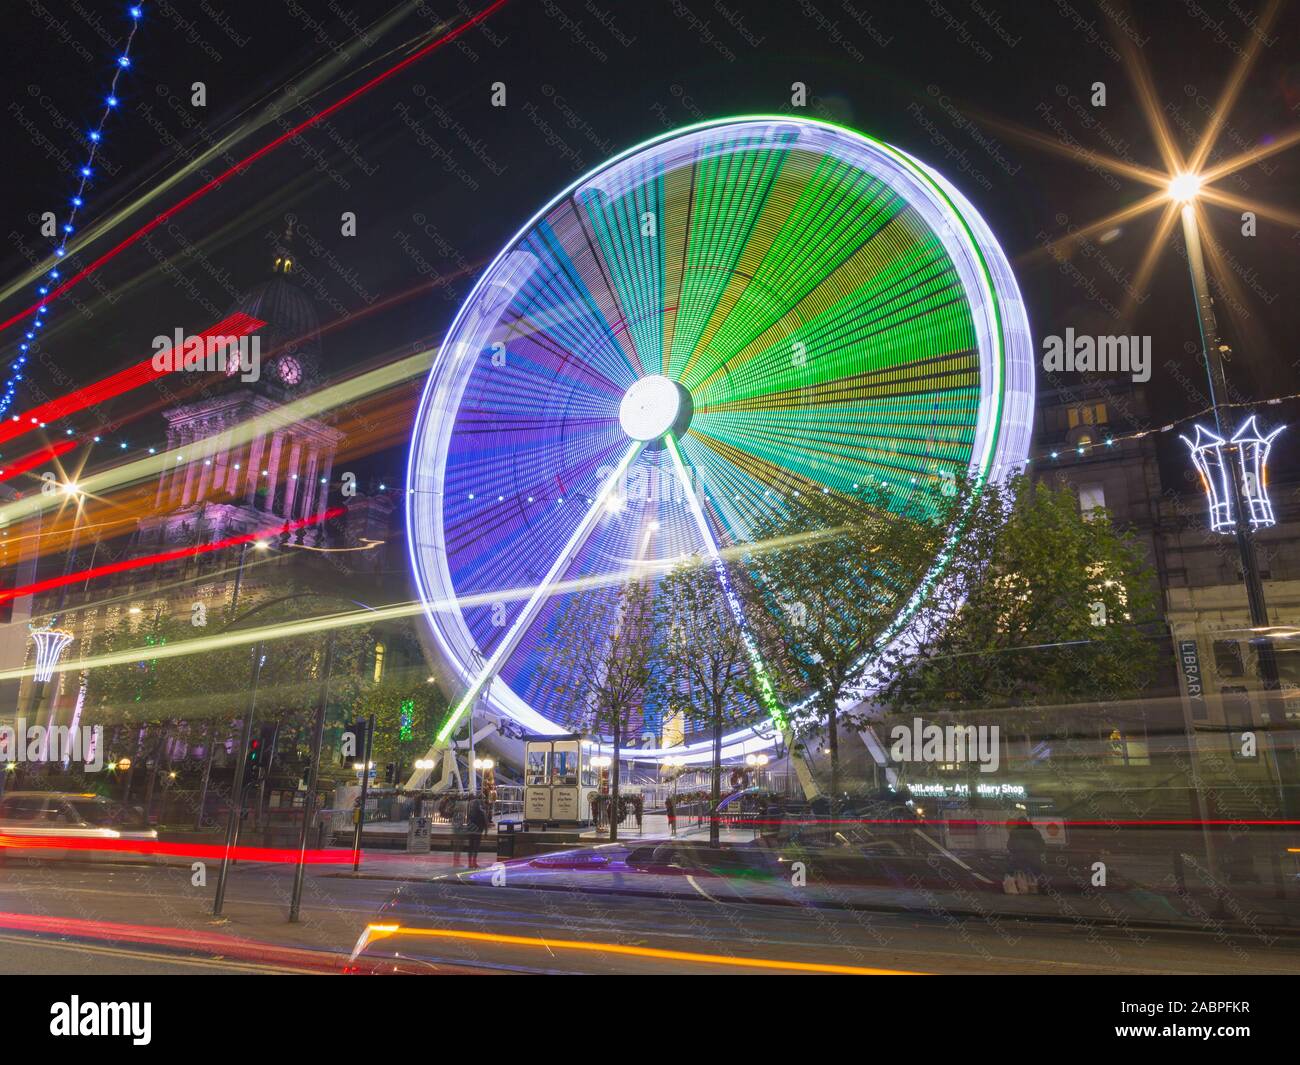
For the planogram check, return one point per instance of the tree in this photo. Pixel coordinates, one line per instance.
(831, 573)
(706, 660)
(408, 711)
(199, 694)
(603, 653)
(1038, 604)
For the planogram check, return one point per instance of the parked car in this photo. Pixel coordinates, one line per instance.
(55, 815)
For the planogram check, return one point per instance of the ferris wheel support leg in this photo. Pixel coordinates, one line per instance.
(801, 768)
(540, 594)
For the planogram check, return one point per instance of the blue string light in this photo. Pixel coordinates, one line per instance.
(87, 171)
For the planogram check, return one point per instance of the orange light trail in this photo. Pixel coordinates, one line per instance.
(165, 556)
(378, 931)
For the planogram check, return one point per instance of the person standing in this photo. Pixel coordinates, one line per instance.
(476, 822)
(670, 808)
(1026, 851)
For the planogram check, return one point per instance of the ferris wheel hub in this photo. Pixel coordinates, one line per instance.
(652, 406)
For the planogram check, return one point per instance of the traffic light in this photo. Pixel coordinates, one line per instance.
(390, 773)
(260, 750)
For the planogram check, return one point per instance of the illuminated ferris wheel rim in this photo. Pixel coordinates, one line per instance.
(1001, 433)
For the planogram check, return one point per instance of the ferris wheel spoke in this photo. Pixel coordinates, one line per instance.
(768, 694)
(541, 593)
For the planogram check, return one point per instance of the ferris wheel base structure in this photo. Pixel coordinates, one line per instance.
(709, 320)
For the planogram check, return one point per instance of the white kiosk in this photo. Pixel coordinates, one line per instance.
(558, 779)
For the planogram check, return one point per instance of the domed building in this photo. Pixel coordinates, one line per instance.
(290, 341)
(247, 466)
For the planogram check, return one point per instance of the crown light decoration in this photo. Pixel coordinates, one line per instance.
(1249, 448)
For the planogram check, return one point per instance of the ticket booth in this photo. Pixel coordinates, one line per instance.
(558, 779)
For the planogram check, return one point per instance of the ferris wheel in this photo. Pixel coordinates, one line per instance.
(703, 321)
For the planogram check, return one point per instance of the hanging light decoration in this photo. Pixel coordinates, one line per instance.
(1249, 448)
(93, 141)
(50, 645)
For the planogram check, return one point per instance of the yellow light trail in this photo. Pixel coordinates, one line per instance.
(327, 622)
(283, 417)
(377, 931)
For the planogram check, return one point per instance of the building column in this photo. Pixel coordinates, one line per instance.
(253, 474)
(308, 491)
(273, 468)
(187, 490)
(290, 481)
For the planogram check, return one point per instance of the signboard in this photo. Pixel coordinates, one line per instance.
(537, 804)
(417, 835)
(1189, 666)
(564, 804)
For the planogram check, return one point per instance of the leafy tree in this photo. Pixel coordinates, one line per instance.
(832, 573)
(603, 654)
(1039, 604)
(408, 712)
(200, 694)
(706, 660)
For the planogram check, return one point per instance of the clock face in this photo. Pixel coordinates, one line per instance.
(289, 370)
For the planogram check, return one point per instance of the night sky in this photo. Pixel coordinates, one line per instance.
(585, 80)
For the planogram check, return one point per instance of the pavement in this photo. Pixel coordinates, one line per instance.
(58, 917)
(646, 904)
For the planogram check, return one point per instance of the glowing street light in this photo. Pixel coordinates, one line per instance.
(1183, 188)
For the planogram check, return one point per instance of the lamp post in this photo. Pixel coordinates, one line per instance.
(1183, 189)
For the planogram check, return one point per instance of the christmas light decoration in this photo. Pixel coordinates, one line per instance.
(94, 137)
(1211, 455)
(50, 645)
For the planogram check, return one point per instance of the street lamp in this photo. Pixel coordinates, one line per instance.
(1184, 189)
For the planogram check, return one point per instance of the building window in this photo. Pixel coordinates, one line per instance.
(1092, 499)
(379, 662)
(1087, 414)
(1227, 658)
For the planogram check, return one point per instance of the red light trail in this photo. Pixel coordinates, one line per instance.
(236, 326)
(29, 462)
(247, 161)
(166, 556)
(172, 850)
(189, 940)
